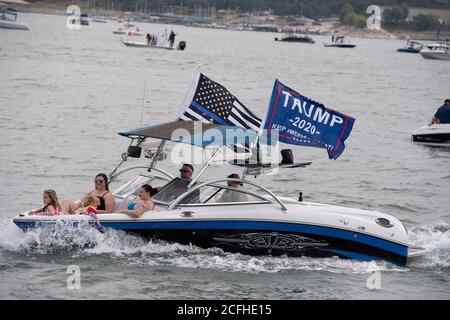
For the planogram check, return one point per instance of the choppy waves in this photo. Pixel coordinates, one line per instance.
(436, 239)
(116, 245)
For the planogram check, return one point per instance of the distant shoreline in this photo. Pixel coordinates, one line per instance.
(329, 28)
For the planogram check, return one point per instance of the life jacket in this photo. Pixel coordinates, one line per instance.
(90, 211)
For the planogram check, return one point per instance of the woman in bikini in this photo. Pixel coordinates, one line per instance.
(101, 191)
(145, 202)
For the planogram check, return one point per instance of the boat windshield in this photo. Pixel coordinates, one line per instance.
(208, 194)
(130, 189)
(173, 190)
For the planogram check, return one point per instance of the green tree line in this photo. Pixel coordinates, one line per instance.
(309, 8)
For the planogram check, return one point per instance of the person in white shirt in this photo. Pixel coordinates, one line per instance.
(231, 195)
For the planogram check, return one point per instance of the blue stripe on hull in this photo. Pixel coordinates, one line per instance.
(264, 226)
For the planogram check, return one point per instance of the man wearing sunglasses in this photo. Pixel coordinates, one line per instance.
(186, 171)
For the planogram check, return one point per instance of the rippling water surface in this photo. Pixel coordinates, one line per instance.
(64, 95)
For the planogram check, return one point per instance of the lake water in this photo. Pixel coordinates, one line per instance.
(65, 94)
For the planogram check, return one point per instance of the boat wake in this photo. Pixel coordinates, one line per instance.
(436, 239)
(85, 241)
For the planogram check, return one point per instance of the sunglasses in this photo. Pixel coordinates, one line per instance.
(184, 170)
(99, 181)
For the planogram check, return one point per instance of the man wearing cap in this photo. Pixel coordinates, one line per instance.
(230, 195)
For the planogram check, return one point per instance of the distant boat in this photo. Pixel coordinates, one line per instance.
(317, 31)
(99, 20)
(120, 31)
(82, 19)
(137, 44)
(433, 135)
(436, 44)
(412, 47)
(438, 52)
(8, 19)
(128, 32)
(295, 37)
(339, 42)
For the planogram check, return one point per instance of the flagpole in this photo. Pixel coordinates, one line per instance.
(143, 101)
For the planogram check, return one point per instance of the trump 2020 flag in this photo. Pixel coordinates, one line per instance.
(299, 120)
(210, 102)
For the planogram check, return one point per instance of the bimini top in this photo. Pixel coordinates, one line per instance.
(195, 133)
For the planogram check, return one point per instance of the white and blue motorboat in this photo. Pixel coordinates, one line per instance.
(437, 135)
(8, 19)
(190, 212)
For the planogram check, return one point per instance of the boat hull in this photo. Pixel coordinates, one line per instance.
(143, 45)
(434, 135)
(262, 231)
(295, 39)
(409, 50)
(265, 238)
(340, 45)
(13, 25)
(435, 56)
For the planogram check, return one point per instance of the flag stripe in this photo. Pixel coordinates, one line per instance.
(208, 113)
(245, 118)
(187, 117)
(196, 114)
(238, 121)
(234, 122)
(241, 122)
(247, 112)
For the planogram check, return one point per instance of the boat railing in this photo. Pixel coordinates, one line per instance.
(167, 175)
(130, 188)
(178, 200)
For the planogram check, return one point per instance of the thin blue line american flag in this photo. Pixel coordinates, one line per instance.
(212, 102)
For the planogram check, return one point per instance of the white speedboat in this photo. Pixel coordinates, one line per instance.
(339, 42)
(439, 52)
(436, 44)
(120, 31)
(140, 44)
(8, 19)
(99, 20)
(191, 212)
(433, 135)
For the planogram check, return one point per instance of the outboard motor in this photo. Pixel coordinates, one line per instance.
(181, 45)
(287, 156)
